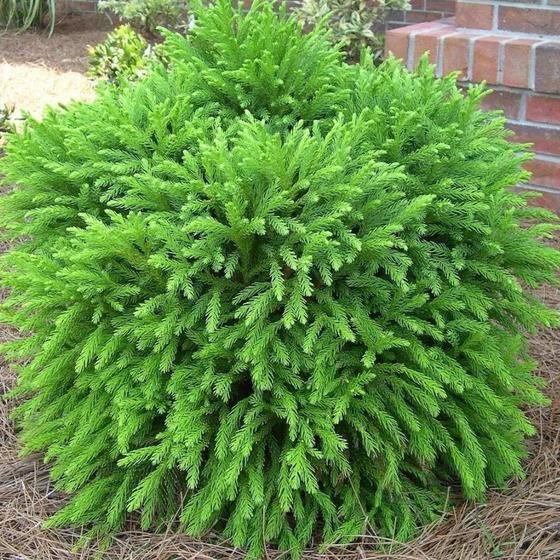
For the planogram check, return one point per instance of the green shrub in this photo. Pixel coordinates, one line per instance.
(284, 312)
(355, 24)
(266, 66)
(148, 15)
(123, 55)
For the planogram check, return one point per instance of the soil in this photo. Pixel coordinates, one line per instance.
(37, 70)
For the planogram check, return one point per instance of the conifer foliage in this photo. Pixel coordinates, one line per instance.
(282, 296)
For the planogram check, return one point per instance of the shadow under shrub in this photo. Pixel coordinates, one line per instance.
(280, 295)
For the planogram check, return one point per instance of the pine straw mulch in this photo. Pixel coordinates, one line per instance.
(522, 523)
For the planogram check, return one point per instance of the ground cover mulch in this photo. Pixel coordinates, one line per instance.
(37, 70)
(522, 523)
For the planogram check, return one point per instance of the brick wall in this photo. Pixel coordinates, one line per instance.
(76, 6)
(541, 17)
(495, 41)
(421, 11)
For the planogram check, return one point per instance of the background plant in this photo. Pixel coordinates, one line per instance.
(6, 112)
(148, 15)
(272, 294)
(24, 14)
(355, 24)
(123, 55)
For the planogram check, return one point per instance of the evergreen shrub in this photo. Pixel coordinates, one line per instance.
(282, 296)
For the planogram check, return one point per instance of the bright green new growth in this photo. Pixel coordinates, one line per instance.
(277, 294)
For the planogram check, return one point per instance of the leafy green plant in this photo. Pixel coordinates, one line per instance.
(148, 15)
(355, 24)
(6, 112)
(123, 55)
(272, 294)
(24, 14)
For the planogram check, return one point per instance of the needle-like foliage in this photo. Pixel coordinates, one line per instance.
(283, 297)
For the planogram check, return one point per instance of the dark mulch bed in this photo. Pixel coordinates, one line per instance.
(37, 70)
(64, 51)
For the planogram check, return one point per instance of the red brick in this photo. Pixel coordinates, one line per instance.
(421, 17)
(417, 5)
(86, 6)
(544, 140)
(423, 44)
(523, 2)
(395, 25)
(546, 172)
(474, 16)
(485, 59)
(507, 101)
(517, 59)
(456, 55)
(529, 20)
(548, 200)
(397, 39)
(547, 67)
(545, 109)
(428, 42)
(396, 42)
(441, 6)
(396, 16)
(430, 26)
